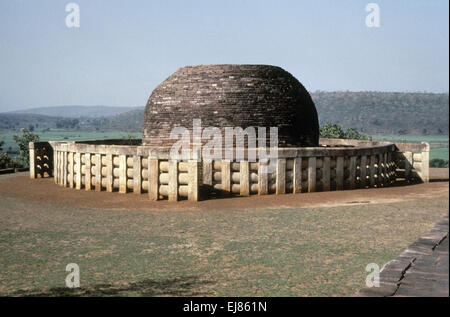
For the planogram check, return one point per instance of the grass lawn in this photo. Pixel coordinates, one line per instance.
(265, 252)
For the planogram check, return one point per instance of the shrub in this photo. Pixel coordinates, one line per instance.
(437, 162)
(335, 131)
(22, 141)
(6, 161)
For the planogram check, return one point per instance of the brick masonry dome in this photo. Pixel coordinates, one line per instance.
(232, 96)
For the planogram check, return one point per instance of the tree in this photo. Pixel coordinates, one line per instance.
(335, 131)
(352, 133)
(22, 141)
(332, 131)
(5, 160)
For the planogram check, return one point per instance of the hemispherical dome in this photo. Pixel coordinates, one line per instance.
(232, 96)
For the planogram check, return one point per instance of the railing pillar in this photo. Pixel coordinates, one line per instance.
(194, 180)
(153, 178)
(311, 174)
(32, 160)
(425, 164)
(137, 174)
(263, 177)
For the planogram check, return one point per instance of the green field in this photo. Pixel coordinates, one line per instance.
(412, 138)
(439, 153)
(435, 152)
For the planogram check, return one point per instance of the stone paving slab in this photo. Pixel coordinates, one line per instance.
(421, 270)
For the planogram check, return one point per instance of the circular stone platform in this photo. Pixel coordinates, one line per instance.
(224, 96)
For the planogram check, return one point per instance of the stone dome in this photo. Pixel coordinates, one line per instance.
(232, 96)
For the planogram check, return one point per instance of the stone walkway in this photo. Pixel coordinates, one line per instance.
(421, 270)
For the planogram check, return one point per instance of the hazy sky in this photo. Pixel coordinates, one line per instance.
(124, 49)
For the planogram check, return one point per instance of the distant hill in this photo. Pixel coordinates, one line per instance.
(130, 121)
(127, 121)
(385, 113)
(373, 113)
(77, 111)
(16, 121)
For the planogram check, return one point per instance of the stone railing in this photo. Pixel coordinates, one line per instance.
(412, 158)
(307, 169)
(125, 166)
(414, 161)
(41, 159)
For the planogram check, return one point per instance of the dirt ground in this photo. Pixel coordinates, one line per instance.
(46, 191)
(314, 244)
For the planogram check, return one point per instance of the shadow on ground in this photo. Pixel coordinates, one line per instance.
(182, 286)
